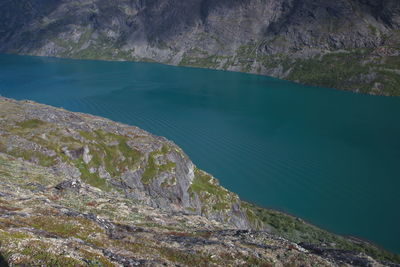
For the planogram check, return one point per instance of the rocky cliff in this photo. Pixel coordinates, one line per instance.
(79, 190)
(352, 45)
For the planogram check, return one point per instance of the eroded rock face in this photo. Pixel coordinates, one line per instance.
(302, 40)
(112, 156)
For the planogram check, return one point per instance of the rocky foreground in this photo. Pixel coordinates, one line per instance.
(79, 190)
(346, 44)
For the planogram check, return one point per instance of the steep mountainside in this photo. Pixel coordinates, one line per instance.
(346, 44)
(82, 190)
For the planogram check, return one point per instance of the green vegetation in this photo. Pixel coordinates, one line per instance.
(344, 70)
(34, 205)
(199, 58)
(108, 150)
(169, 166)
(85, 48)
(353, 70)
(30, 124)
(105, 149)
(18, 174)
(253, 261)
(169, 182)
(245, 56)
(373, 29)
(392, 62)
(331, 69)
(117, 157)
(189, 259)
(38, 253)
(31, 155)
(6, 236)
(91, 178)
(296, 230)
(211, 194)
(350, 70)
(94, 259)
(66, 227)
(152, 168)
(203, 182)
(87, 135)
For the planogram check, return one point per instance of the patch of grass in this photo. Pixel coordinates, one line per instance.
(87, 135)
(94, 259)
(199, 58)
(144, 247)
(373, 29)
(103, 49)
(329, 70)
(66, 227)
(104, 52)
(30, 124)
(35, 252)
(164, 149)
(253, 261)
(169, 182)
(21, 173)
(298, 231)
(7, 236)
(111, 151)
(131, 155)
(204, 182)
(107, 149)
(116, 158)
(191, 210)
(39, 254)
(390, 80)
(348, 70)
(31, 155)
(91, 178)
(169, 166)
(190, 259)
(246, 56)
(111, 158)
(392, 62)
(221, 206)
(152, 168)
(210, 193)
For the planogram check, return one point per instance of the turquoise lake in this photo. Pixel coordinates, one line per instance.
(330, 157)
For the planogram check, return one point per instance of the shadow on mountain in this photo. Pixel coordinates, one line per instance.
(3, 262)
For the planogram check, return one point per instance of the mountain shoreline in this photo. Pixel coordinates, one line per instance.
(195, 67)
(83, 151)
(349, 45)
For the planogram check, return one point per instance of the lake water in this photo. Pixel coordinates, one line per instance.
(328, 156)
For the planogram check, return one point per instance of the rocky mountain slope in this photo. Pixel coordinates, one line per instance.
(346, 44)
(79, 190)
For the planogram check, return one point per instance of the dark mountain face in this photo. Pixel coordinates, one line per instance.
(310, 41)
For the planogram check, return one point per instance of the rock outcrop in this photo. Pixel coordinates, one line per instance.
(80, 190)
(352, 45)
(108, 155)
